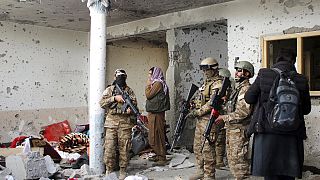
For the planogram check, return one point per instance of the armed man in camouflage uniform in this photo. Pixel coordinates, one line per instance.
(221, 138)
(205, 159)
(118, 124)
(239, 113)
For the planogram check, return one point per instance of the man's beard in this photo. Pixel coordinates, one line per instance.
(240, 79)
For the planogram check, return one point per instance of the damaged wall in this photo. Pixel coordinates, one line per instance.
(191, 45)
(248, 21)
(44, 78)
(136, 57)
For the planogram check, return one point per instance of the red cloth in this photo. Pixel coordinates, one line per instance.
(17, 140)
(53, 132)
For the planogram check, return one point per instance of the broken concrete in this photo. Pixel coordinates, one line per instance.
(31, 166)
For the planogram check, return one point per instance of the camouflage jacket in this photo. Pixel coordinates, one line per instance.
(206, 91)
(238, 110)
(113, 108)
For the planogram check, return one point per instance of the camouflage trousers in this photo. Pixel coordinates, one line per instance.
(220, 146)
(206, 159)
(238, 152)
(117, 138)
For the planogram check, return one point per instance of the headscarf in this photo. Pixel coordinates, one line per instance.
(157, 75)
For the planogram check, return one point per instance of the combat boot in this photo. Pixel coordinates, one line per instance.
(219, 163)
(122, 174)
(199, 175)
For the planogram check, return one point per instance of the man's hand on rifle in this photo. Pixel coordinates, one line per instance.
(219, 119)
(192, 114)
(129, 110)
(118, 98)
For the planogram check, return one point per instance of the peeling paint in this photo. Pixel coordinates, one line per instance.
(293, 30)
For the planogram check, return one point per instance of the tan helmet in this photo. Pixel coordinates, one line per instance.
(245, 65)
(209, 63)
(224, 72)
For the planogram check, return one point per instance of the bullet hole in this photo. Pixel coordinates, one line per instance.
(37, 84)
(203, 28)
(8, 90)
(36, 41)
(15, 88)
(24, 29)
(241, 28)
(1, 40)
(16, 115)
(311, 7)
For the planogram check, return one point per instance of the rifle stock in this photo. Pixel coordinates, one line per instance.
(128, 103)
(184, 110)
(216, 102)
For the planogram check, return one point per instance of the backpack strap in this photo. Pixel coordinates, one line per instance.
(277, 70)
(272, 94)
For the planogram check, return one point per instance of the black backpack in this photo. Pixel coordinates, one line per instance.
(284, 100)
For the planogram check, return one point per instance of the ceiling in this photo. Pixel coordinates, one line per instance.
(74, 14)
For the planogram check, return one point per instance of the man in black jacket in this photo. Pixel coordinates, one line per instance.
(277, 155)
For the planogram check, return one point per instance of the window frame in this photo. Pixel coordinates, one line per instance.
(299, 37)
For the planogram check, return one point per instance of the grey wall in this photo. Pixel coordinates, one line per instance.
(44, 78)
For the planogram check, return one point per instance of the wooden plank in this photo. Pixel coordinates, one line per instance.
(299, 54)
(264, 53)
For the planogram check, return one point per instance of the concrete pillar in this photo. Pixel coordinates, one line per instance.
(172, 114)
(97, 83)
(178, 87)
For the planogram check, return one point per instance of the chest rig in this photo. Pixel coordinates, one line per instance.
(231, 104)
(115, 108)
(205, 93)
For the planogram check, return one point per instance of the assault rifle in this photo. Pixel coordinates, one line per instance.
(216, 102)
(184, 110)
(128, 104)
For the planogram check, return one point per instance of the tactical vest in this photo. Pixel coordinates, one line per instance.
(159, 103)
(115, 108)
(231, 105)
(205, 94)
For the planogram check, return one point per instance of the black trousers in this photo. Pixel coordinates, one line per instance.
(278, 178)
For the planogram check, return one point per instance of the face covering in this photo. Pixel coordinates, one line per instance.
(121, 81)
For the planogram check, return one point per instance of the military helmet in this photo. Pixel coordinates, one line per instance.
(245, 65)
(224, 72)
(209, 63)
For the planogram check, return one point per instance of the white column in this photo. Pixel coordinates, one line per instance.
(96, 87)
(173, 113)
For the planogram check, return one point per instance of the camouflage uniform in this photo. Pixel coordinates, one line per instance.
(118, 127)
(236, 121)
(220, 144)
(205, 159)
